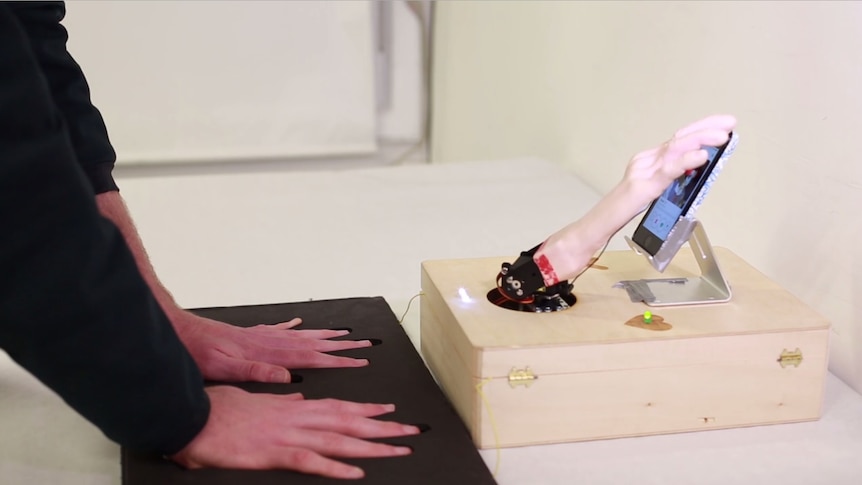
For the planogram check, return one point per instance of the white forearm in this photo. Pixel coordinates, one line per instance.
(112, 206)
(570, 249)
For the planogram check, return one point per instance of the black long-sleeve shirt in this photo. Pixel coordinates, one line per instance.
(74, 310)
(69, 90)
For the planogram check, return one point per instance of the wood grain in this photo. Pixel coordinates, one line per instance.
(716, 367)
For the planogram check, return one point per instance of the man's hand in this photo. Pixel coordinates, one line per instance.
(265, 431)
(261, 353)
(225, 352)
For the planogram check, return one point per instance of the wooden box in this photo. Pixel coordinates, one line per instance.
(521, 378)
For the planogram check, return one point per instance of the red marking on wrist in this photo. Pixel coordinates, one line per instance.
(548, 273)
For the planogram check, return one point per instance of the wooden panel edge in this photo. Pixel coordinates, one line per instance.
(451, 373)
(457, 385)
(662, 433)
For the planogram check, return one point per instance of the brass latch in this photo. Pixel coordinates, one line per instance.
(518, 377)
(790, 358)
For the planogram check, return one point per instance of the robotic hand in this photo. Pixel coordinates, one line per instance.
(541, 279)
(521, 284)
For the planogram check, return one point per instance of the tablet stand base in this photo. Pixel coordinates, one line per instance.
(710, 287)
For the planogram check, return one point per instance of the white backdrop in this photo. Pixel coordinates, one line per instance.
(211, 80)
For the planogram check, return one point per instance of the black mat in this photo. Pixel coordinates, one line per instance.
(443, 455)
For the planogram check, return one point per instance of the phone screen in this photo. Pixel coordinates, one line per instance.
(666, 210)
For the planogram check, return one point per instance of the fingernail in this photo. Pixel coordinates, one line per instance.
(389, 407)
(345, 329)
(295, 378)
(353, 472)
(375, 341)
(279, 375)
(422, 427)
(404, 450)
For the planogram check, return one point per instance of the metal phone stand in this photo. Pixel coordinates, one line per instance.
(710, 287)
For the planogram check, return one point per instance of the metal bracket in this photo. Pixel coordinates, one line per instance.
(710, 287)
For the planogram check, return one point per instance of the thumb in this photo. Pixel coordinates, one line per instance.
(234, 369)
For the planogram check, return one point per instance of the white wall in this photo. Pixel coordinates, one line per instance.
(588, 84)
(233, 80)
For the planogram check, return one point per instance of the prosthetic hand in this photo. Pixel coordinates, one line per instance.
(547, 268)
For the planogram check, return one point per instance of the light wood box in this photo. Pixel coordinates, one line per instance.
(582, 374)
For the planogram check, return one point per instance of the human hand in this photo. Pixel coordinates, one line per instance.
(267, 431)
(261, 353)
(650, 172)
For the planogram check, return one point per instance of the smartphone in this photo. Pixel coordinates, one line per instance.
(681, 199)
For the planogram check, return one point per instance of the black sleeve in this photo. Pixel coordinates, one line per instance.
(74, 310)
(69, 89)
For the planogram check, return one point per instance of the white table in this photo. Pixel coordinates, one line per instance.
(279, 236)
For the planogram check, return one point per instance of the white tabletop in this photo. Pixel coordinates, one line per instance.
(279, 236)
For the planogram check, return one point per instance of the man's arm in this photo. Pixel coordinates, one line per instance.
(112, 206)
(223, 352)
(75, 312)
(73, 309)
(69, 90)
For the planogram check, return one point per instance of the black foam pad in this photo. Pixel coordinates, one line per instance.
(445, 454)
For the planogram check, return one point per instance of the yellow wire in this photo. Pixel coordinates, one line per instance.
(417, 295)
(481, 394)
(492, 420)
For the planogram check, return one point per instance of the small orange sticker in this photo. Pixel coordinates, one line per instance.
(655, 323)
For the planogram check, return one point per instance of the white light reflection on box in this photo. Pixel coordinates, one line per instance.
(464, 296)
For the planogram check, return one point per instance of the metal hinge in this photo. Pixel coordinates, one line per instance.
(524, 377)
(790, 358)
